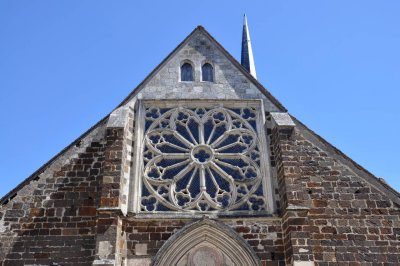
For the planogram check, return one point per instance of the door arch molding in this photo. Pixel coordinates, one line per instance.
(207, 239)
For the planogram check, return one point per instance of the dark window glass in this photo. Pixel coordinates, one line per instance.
(186, 72)
(207, 72)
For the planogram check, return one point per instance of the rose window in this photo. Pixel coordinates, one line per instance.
(201, 159)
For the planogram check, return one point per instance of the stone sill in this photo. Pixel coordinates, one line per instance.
(190, 215)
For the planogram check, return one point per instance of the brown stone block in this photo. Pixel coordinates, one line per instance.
(106, 222)
(268, 243)
(86, 155)
(319, 203)
(311, 229)
(44, 232)
(41, 255)
(69, 231)
(250, 236)
(82, 174)
(142, 229)
(109, 202)
(84, 231)
(87, 211)
(57, 195)
(27, 226)
(253, 243)
(318, 211)
(297, 221)
(155, 236)
(59, 174)
(380, 211)
(160, 229)
(36, 212)
(139, 237)
(15, 206)
(242, 229)
(313, 184)
(345, 204)
(319, 236)
(87, 161)
(55, 232)
(50, 212)
(385, 231)
(329, 230)
(165, 236)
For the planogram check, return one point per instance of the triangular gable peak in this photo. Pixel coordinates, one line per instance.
(230, 81)
(148, 89)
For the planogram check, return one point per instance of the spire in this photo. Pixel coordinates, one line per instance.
(247, 59)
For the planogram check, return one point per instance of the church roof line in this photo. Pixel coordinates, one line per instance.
(392, 193)
(200, 28)
(370, 178)
(41, 169)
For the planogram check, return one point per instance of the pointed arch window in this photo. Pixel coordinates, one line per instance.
(187, 72)
(207, 71)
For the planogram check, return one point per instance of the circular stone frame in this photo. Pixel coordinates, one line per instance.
(202, 147)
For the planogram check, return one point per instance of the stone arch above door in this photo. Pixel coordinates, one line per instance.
(206, 242)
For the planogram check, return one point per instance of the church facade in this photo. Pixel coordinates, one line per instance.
(201, 165)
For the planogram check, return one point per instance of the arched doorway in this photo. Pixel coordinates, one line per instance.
(206, 243)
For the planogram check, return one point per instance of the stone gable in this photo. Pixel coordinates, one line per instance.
(77, 208)
(229, 81)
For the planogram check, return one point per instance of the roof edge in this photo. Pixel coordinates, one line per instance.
(135, 91)
(201, 29)
(262, 89)
(4, 200)
(34, 175)
(357, 168)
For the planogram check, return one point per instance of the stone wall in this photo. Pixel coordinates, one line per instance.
(143, 238)
(53, 218)
(229, 82)
(331, 214)
(264, 235)
(328, 213)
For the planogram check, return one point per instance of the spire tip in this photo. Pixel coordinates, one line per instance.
(247, 60)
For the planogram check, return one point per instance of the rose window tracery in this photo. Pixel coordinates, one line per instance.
(201, 159)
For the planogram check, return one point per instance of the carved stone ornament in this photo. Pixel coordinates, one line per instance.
(201, 159)
(206, 242)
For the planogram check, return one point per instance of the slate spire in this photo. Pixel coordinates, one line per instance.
(247, 59)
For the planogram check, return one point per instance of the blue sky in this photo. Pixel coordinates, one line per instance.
(335, 65)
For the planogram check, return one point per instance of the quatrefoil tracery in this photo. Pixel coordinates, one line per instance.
(201, 159)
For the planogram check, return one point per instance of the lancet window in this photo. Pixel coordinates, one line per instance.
(207, 72)
(187, 72)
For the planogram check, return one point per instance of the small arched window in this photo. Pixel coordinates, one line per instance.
(207, 72)
(186, 72)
